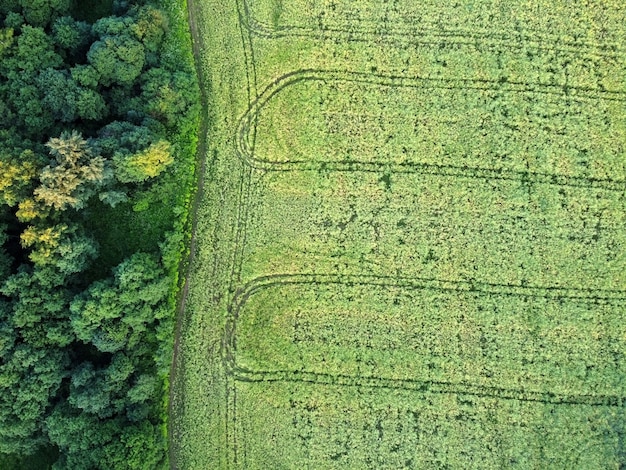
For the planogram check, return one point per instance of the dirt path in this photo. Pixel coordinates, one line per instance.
(186, 264)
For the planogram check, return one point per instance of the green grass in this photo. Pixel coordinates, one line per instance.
(409, 243)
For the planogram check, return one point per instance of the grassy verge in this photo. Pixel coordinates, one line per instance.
(197, 388)
(160, 218)
(176, 249)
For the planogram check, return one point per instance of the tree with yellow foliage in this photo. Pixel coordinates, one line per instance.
(63, 246)
(16, 176)
(145, 164)
(29, 209)
(43, 240)
(75, 176)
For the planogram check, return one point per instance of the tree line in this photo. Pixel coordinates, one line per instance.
(92, 111)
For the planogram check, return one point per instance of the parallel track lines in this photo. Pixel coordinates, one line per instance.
(426, 386)
(240, 227)
(246, 133)
(583, 295)
(429, 34)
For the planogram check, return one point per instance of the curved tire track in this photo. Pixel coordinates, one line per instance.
(594, 296)
(246, 153)
(246, 132)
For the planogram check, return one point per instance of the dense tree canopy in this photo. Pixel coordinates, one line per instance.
(89, 121)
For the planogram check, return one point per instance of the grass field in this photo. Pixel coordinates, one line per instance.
(411, 244)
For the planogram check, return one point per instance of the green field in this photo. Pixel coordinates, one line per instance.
(411, 244)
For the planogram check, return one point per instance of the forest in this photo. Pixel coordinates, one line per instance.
(98, 125)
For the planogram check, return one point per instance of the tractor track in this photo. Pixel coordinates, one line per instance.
(247, 129)
(583, 295)
(432, 34)
(427, 386)
(245, 139)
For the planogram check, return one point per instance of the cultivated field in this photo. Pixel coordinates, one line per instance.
(412, 241)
